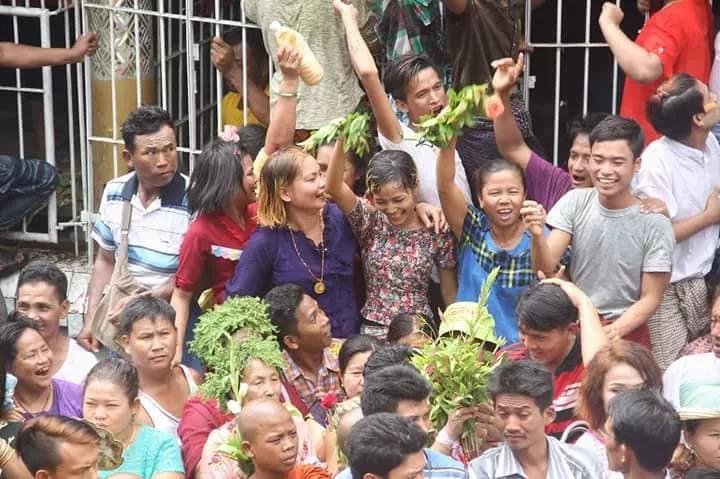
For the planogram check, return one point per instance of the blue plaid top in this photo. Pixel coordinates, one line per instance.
(478, 255)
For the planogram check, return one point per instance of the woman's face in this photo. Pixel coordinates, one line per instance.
(396, 202)
(263, 381)
(106, 405)
(501, 197)
(352, 378)
(307, 190)
(34, 360)
(151, 343)
(350, 174)
(249, 180)
(620, 377)
(705, 441)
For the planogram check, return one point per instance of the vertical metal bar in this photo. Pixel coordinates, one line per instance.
(190, 62)
(80, 78)
(90, 203)
(138, 72)
(528, 55)
(49, 123)
(218, 75)
(613, 107)
(200, 75)
(71, 131)
(113, 88)
(163, 55)
(558, 51)
(586, 67)
(18, 95)
(244, 89)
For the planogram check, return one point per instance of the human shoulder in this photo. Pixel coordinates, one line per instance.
(77, 353)
(147, 435)
(436, 460)
(579, 458)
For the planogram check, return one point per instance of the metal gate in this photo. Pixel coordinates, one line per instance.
(157, 51)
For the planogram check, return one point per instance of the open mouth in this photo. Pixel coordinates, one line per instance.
(577, 179)
(606, 182)
(505, 213)
(43, 372)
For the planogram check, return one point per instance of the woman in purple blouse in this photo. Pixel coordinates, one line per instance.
(302, 239)
(26, 355)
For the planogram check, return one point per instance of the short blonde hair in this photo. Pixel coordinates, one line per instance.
(280, 170)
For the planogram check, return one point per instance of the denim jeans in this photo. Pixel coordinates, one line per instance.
(24, 184)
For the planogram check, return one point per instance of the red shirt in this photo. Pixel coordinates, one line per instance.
(567, 378)
(198, 419)
(212, 247)
(681, 35)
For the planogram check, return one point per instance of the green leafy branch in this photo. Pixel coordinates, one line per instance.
(353, 129)
(462, 109)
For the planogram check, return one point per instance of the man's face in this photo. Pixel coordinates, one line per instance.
(154, 158)
(79, 461)
(411, 468)
(417, 411)
(275, 445)
(41, 302)
(313, 326)
(548, 347)
(424, 95)
(521, 421)
(715, 328)
(615, 452)
(151, 343)
(578, 161)
(612, 166)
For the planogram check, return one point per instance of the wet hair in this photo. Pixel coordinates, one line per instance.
(384, 389)
(614, 128)
(388, 355)
(674, 104)
(545, 307)
(401, 325)
(146, 120)
(590, 405)
(400, 72)
(282, 302)
(391, 166)
(490, 167)
(584, 125)
(217, 177)
(648, 424)
(360, 343)
(10, 334)
(39, 440)
(252, 139)
(143, 307)
(524, 378)
(280, 170)
(380, 443)
(119, 372)
(37, 272)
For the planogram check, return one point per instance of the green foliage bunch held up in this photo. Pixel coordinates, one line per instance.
(353, 129)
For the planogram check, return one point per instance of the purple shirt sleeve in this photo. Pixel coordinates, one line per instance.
(67, 399)
(546, 183)
(254, 270)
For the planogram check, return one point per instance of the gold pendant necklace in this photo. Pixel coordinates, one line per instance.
(319, 286)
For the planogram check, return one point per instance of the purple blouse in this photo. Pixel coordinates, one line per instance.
(546, 183)
(270, 259)
(67, 401)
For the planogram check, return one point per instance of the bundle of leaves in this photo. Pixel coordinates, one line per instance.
(459, 368)
(462, 109)
(353, 129)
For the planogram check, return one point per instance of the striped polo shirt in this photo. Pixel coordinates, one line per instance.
(156, 231)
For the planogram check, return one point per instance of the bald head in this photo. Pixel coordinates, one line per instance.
(258, 415)
(347, 421)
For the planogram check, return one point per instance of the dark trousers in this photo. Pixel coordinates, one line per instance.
(24, 184)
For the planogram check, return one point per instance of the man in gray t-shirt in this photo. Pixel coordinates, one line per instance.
(621, 257)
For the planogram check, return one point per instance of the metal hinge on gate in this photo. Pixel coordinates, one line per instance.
(86, 220)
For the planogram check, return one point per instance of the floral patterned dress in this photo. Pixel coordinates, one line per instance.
(398, 266)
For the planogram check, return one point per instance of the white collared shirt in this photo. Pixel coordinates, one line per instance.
(683, 177)
(564, 461)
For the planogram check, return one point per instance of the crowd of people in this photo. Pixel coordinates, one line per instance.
(260, 317)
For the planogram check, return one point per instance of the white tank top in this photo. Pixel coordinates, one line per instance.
(161, 418)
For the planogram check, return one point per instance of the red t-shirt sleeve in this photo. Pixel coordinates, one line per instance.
(194, 253)
(664, 40)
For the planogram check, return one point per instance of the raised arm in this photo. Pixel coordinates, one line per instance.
(637, 63)
(508, 137)
(651, 292)
(281, 131)
(452, 199)
(546, 250)
(342, 194)
(16, 55)
(367, 71)
(592, 334)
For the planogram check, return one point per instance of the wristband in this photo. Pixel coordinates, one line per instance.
(288, 94)
(445, 440)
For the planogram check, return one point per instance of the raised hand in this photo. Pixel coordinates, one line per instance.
(533, 215)
(507, 72)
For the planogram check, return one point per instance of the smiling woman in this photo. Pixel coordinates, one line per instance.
(27, 356)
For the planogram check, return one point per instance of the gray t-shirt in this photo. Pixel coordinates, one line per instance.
(611, 249)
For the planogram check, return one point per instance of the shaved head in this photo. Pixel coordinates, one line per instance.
(347, 421)
(256, 415)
